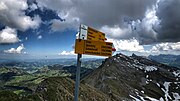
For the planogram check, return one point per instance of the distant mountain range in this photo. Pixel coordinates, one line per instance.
(36, 62)
(172, 60)
(39, 63)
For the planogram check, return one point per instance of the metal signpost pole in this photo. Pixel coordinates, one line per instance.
(76, 93)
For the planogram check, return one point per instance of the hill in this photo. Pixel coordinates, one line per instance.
(62, 89)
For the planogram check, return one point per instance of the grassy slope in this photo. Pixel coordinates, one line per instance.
(62, 89)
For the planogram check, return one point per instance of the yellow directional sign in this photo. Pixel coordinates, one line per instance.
(95, 35)
(79, 46)
(91, 47)
(88, 33)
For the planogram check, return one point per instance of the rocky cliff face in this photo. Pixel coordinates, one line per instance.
(136, 78)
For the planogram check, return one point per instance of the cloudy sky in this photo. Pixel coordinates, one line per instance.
(48, 28)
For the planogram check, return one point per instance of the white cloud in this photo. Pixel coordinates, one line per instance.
(117, 32)
(142, 30)
(133, 45)
(127, 45)
(70, 21)
(8, 35)
(66, 53)
(12, 14)
(39, 37)
(55, 4)
(26, 38)
(33, 7)
(58, 25)
(71, 54)
(102, 12)
(28, 22)
(120, 19)
(65, 10)
(167, 47)
(17, 50)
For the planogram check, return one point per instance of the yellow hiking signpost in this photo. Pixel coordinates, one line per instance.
(93, 47)
(88, 33)
(95, 35)
(92, 42)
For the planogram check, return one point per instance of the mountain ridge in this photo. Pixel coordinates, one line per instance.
(135, 77)
(168, 59)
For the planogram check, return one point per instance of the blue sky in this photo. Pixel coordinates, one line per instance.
(42, 41)
(48, 28)
(51, 43)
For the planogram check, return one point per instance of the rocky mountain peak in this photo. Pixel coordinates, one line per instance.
(134, 77)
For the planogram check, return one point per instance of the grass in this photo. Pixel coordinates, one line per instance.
(18, 92)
